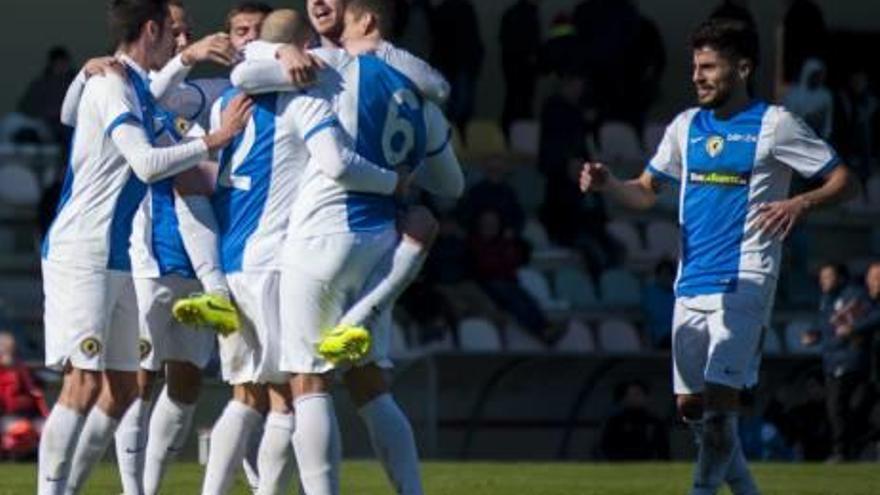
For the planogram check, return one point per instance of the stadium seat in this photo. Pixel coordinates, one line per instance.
(517, 339)
(619, 288)
(525, 136)
(793, 332)
(478, 334)
(772, 342)
(619, 145)
(628, 235)
(535, 283)
(19, 185)
(651, 136)
(535, 234)
(662, 239)
(619, 336)
(571, 284)
(529, 186)
(578, 338)
(484, 137)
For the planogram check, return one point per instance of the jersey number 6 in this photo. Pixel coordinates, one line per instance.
(398, 136)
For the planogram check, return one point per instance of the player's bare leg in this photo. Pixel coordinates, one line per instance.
(118, 390)
(62, 428)
(171, 420)
(713, 417)
(131, 435)
(275, 460)
(390, 431)
(316, 439)
(231, 435)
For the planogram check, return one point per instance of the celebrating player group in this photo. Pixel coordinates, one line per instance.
(272, 212)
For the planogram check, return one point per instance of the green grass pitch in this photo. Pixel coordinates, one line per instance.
(482, 478)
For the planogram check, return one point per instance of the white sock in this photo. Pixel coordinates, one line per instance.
(250, 463)
(229, 439)
(317, 444)
(131, 441)
(198, 229)
(392, 439)
(275, 460)
(406, 262)
(738, 477)
(169, 426)
(60, 432)
(717, 446)
(97, 432)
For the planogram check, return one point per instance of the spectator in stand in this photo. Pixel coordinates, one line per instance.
(43, 96)
(854, 131)
(658, 301)
(805, 35)
(520, 38)
(458, 54)
(560, 53)
(579, 221)
(414, 27)
(633, 432)
(565, 127)
(22, 406)
(735, 9)
(846, 339)
(811, 100)
(495, 255)
(808, 428)
(493, 192)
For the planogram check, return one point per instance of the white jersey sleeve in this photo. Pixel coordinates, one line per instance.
(331, 149)
(74, 93)
(440, 174)
(169, 79)
(117, 103)
(430, 82)
(798, 147)
(667, 160)
(261, 76)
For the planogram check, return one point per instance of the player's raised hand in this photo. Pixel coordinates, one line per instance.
(778, 218)
(594, 177)
(232, 121)
(301, 66)
(103, 66)
(215, 48)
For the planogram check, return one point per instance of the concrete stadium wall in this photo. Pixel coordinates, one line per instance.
(30, 27)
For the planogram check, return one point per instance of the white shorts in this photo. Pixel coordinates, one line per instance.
(90, 318)
(718, 338)
(251, 355)
(321, 279)
(162, 338)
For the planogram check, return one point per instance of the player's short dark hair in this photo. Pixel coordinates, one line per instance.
(383, 10)
(126, 18)
(734, 39)
(247, 8)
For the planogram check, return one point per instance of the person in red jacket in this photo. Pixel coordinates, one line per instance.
(22, 405)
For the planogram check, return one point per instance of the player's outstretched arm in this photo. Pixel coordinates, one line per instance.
(273, 67)
(639, 193)
(430, 82)
(152, 164)
(256, 77)
(337, 160)
(217, 48)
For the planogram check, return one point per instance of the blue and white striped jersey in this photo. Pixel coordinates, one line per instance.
(727, 168)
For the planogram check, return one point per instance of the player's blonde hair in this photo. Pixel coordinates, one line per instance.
(286, 26)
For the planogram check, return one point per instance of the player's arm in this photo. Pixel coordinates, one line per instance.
(95, 66)
(273, 67)
(440, 174)
(332, 150)
(795, 145)
(114, 108)
(168, 84)
(639, 193)
(430, 82)
(261, 76)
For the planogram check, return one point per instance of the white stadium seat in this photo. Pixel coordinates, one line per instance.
(518, 339)
(619, 336)
(535, 234)
(662, 239)
(535, 283)
(571, 284)
(478, 334)
(619, 288)
(618, 141)
(19, 185)
(628, 235)
(525, 136)
(651, 137)
(578, 338)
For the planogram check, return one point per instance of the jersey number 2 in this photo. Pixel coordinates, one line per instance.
(229, 178)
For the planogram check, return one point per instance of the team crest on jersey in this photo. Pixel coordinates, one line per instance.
(145, 348)
(182, 126)
(714, 146)
(91, 347)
